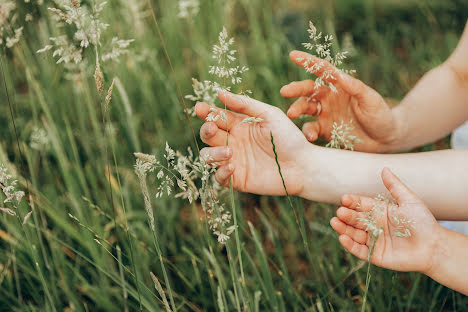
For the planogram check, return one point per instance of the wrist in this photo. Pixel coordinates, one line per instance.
(399, 133)
(437, 252)
(314, 165)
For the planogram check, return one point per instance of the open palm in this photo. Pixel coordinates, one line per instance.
(250, 159)
(354, 101)
(407, 239)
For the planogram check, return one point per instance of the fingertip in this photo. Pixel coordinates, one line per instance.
(200, 110)
(292, 113)
(283, 90)
(346, 200)
(341, 212)
(293, 54)
(312, 137)
(208, 129)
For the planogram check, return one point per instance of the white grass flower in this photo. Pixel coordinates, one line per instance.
(8, 187)
(320, 46)
(190, 178)
(341, 137)
(251, 120)
(26, 217)
(188, 8)
(225, 72)
(204, 91)
(11, 41)
(87, 30)
(39, 139)
(8, 211)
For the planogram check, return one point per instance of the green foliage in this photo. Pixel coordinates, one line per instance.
(85, 168)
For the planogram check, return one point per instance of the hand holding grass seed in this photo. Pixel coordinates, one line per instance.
(249, 157)
(373, 121)
(406, 232)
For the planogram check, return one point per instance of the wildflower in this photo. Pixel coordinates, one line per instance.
(341, 137)
(180, 176)
(39, 139)
(11, 41)
(7, 24)
(118, 48)
(87, 31)
(98, 77)
(251, 120)
(321, 46)
(109, 94)
(8, 211)
(207, 91)
(188, 8)
(8, 187)
(27, 216)
(224, 56)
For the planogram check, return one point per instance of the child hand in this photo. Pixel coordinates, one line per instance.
(373, 121)
(249, 159)
(392, 251)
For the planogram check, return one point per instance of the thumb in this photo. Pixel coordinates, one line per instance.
(399, 191)
(351, 85)
(311, 131)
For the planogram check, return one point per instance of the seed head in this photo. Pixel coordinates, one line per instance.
(98, 77)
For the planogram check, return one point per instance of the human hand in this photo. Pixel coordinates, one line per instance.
(249, 158)
(411, 253)
(374, 123)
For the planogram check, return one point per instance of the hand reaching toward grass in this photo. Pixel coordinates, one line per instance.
(250, 158)
(373, 121)
(409, 232)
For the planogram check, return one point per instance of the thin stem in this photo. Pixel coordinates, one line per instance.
(179, 90)
(46, 289)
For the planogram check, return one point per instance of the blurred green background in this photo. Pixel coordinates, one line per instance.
(55, 264)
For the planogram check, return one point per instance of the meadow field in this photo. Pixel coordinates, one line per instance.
(69, 130)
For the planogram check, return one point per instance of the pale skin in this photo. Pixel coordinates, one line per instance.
(438, 178)
(431, 110)
(430, 249)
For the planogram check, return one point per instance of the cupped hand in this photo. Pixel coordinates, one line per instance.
(396, 248)
(374, 123)
(249, 156)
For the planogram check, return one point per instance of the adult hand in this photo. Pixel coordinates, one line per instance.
(374, 123)
(249, 156)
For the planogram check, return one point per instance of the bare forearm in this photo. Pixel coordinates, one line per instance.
(437, 104)
(440, 178)
(450, 261)
(434, 108)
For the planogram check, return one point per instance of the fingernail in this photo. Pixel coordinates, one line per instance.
(227, 152)
(231, 167)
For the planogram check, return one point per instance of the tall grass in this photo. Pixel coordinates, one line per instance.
(72, 175)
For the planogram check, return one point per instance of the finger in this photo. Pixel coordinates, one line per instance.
(303, 106)
(303, 88)
(311, 130)
(351, 217)
(351, 85)
(315, 65)
(398, 190)
(358, 203)
(212, 135)
(243, 104)
(224, 173)
(216, 154)
(342, 228)
(359, 250)
(203, 110)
